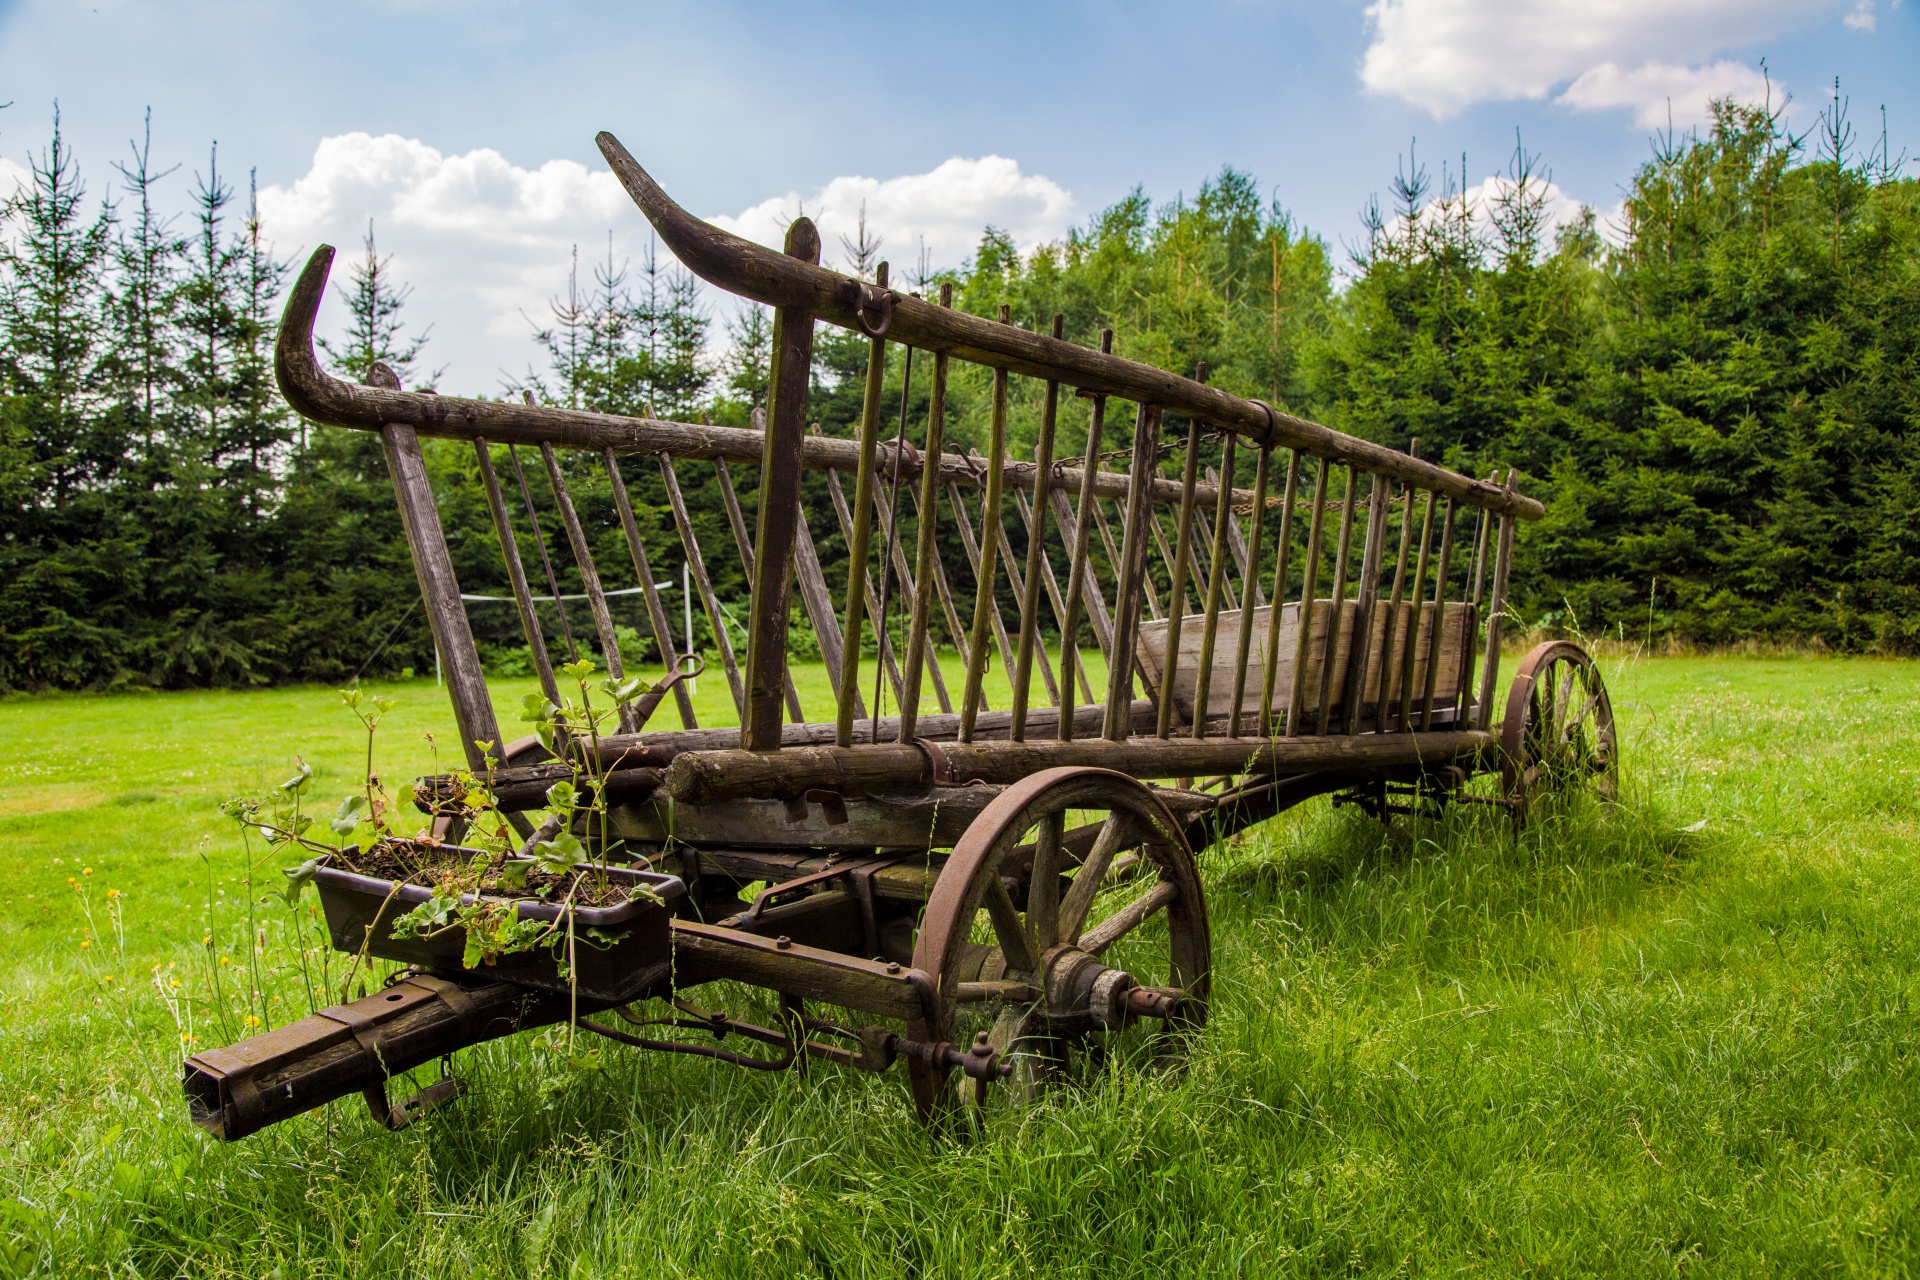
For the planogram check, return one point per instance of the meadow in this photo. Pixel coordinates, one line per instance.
(1675, 1037)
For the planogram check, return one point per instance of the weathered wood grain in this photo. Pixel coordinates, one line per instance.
(1153, 643)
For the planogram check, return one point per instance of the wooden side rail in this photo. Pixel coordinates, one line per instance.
(1357, 551)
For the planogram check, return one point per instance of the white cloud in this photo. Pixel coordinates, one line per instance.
(1659, 88)
(949, 207)
(485, 243)
(479, 239)
(12, 178)
(1863, 17)
(1446, 55)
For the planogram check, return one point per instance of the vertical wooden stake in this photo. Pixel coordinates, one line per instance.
(743, 545)
(516, 574)
(1131, 570)
(1496, 616)
(1036, 549)
(925, 553)
(1245, 649)
(1309, 596)
(1177, 575)
(779, 513)
(861, 534)
(656, 614)
(1328, 676)
(1079, 533)
(1216, 582)
(1282, 553)
(983, 604)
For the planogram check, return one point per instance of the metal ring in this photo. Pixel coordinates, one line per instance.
(872, 299)
(680, 666)
(903, 453)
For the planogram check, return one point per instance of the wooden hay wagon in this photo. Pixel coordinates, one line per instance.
(991, 894)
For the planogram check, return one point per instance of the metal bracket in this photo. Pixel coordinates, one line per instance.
(833, 807)
(939, 767)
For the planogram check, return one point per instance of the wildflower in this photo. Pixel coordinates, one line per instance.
(113, 893)
(86, 871)
(252, 1021)
(206, 942)
(226, 959)
(85, 943)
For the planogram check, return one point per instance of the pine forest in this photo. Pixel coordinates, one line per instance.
(1715, 391)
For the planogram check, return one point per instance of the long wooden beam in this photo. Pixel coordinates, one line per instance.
(708, 777)
(318, 396)
(753, 271)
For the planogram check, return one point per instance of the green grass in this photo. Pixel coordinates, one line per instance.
(1676, 1038)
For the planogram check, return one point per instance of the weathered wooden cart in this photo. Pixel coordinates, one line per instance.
(993, 894)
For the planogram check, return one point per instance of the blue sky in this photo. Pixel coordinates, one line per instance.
(477, 160)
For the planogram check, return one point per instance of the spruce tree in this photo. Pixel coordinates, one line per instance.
(144, 359)
(751, 332)
(255, 434)
(568, 343)
(49, 306)
(59, 462)
(376, 333)
(212, 293)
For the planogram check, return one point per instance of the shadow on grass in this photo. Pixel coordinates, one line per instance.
(1458, 879)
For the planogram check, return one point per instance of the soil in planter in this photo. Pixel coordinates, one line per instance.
(415, 862)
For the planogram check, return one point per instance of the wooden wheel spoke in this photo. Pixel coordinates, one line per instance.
(1128, 918)
(1015, 946)
(1043, 894)
(1036, 879)
(1585, 717)
(1086, 885)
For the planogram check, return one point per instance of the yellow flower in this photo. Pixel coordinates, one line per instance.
(86, 871)
(113, 893)
(252, 1021)
(85, 943)
(226, 959)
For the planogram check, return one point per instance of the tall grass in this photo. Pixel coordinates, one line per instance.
(1674, 1036)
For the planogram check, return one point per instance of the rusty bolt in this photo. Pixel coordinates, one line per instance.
(893, 966)
(783, 942)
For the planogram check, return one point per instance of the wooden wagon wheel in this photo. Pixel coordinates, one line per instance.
(1068, 924)
(1558, 734)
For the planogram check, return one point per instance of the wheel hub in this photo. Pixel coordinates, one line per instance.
(1082, 991)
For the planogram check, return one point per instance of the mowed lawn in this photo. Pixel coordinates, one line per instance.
(1674, 1038)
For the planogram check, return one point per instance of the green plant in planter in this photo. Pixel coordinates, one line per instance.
(468, 881)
